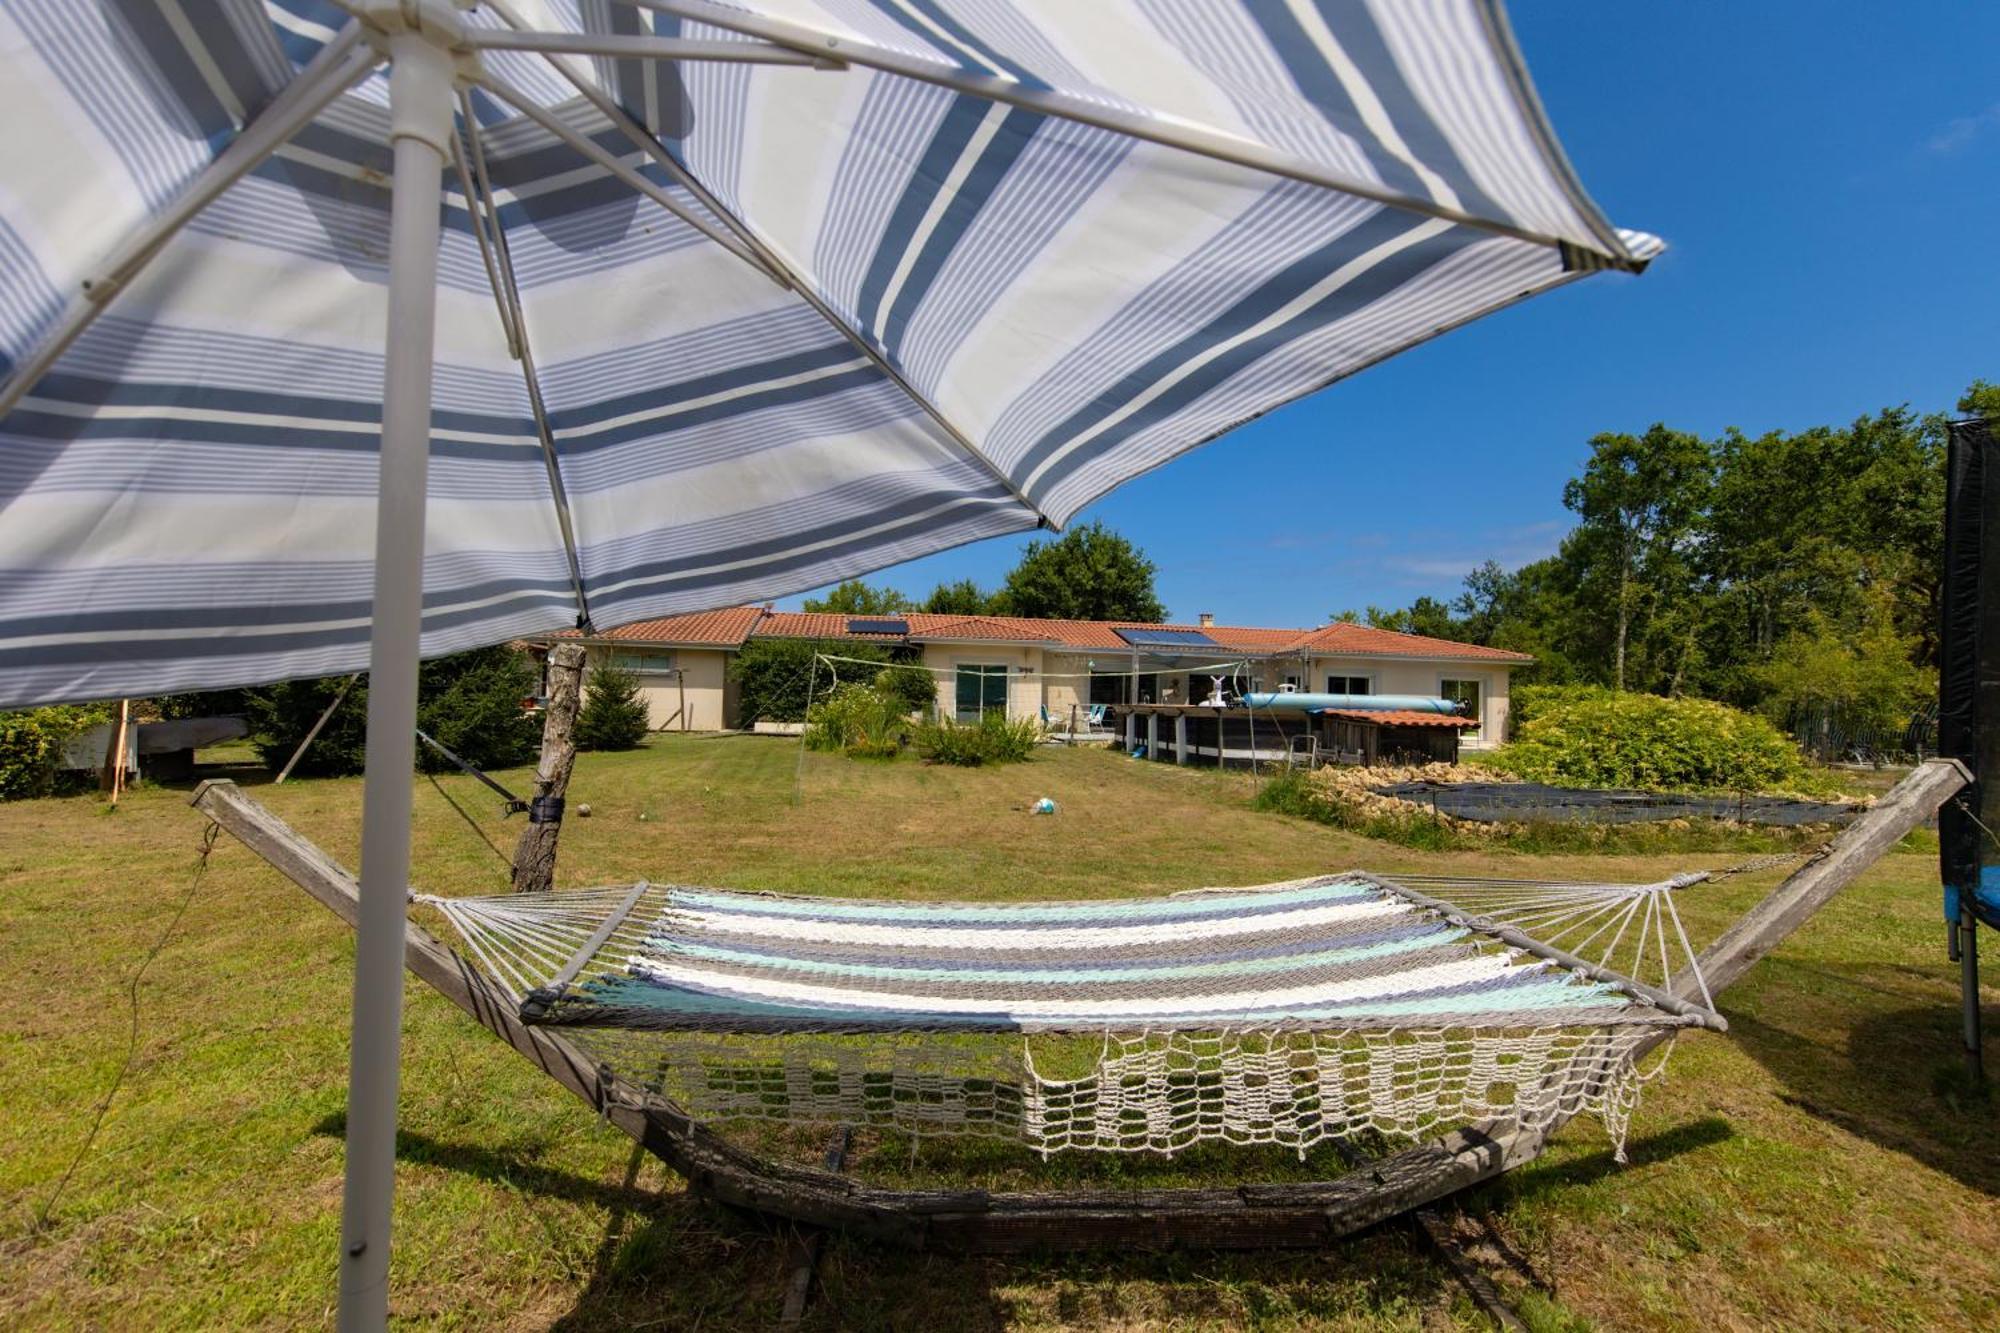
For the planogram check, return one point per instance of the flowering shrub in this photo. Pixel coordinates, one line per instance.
(1587, 736)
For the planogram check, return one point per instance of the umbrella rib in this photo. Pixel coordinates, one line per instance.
(507, 292)
(338, 67)
(1184, 135)
(474, 209)
(521, 102)
(686, 179)
(646, 48)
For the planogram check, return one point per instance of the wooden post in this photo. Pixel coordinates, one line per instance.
(681, 684)
(1180, 738)
(535, 857)
(112, 779)
(1907, 806)
(1152, 735)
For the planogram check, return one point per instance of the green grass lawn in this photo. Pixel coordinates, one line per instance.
(1819, 1167)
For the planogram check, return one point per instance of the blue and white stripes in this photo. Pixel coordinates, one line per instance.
(1334, 952)
(1013, 310)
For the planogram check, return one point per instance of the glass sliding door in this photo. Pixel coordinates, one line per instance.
(981, 690)
(1466, 693)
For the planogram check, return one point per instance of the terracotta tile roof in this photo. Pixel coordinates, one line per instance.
(1341, 639)
(729, 627)
(1018, 629)
(818, 625)
(1396, 717)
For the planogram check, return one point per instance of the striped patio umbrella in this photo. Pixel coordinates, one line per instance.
(339, 332)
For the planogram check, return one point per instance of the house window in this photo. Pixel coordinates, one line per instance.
(982, 689)
(643, 662)
(1468, 693)
(1107, 688)
(1348, 685)
(1292, 682)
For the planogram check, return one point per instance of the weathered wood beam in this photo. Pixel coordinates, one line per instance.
(1907, 806)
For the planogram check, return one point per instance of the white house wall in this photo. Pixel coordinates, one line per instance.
(1058, 681)
(1024, 680)
(709, 691)
(1403, 676)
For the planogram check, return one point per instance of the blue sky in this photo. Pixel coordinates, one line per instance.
(1827, 178)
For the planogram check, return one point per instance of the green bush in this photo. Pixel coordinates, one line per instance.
(613, 716)
(1588, 736)
(281, 715)
(31, 747)
(212, 703)
(912, 687)
(993, 740)
(469, 702)
(865, 723)
(773, 675)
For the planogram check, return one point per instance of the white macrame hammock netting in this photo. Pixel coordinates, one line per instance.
(1323, 1010)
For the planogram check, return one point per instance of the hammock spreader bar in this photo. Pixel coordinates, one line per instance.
(1673, 1004)
(536, 1003)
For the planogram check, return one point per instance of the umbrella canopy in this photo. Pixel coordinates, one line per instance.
(779, 323)
(594, 310)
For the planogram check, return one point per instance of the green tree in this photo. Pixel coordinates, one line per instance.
(1980, 399)
(912, 687)
(773, 676)
(471, 703)
(963, 598)
(1089, 573)
(855, 598)
(1426, 616)
(614, 715)
(1639, 505)
(281, 715)
(1864, 677)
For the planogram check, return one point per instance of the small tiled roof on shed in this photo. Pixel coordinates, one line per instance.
(1396, 717)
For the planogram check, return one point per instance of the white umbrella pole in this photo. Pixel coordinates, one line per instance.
(420, 100)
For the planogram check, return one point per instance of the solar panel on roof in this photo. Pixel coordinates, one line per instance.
(1166, 638)
(883, 625)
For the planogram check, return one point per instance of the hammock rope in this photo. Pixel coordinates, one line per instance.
(1291, 1013)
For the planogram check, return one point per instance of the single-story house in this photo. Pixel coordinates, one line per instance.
(1055, 669)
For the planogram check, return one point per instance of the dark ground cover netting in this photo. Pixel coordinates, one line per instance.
(1530, 802)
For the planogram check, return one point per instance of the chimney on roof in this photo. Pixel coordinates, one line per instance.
(1207, 619)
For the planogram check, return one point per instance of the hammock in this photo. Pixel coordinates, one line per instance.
(1291, 1013)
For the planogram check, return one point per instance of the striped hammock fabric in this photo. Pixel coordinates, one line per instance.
(1341, 951)
(999, 257)
(1288, 1014)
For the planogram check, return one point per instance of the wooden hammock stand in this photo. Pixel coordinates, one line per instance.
(976, 1221)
